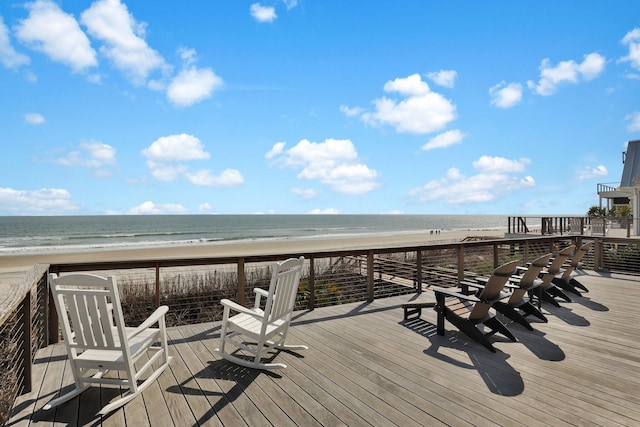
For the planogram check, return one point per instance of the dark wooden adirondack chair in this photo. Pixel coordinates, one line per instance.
(518, 306)
(468, 312)
(565, 281)
(549, 290)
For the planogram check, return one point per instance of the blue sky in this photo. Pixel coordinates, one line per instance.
(293, 107)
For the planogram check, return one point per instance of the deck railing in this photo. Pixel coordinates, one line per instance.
(193, 287)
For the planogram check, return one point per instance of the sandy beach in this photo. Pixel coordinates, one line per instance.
(12, 267)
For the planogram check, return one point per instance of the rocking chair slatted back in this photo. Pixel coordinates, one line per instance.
(285, 286)
(91, 322)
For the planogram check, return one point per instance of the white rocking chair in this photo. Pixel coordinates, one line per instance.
(98, 341)
(258, 331)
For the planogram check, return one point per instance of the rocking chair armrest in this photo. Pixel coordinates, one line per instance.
(451, 293)
(261, 292)
(228, 304)
(154, 318)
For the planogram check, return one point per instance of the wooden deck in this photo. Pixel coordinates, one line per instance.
(366, 367)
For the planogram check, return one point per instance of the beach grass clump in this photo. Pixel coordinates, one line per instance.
(192, 297)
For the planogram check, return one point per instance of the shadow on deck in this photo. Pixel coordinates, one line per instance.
(366, 366)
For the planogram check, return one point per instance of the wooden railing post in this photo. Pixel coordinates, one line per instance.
(496, 259)
(241, 281)
(460, 263)
(370, 280)
(157, 297)
(27, 351)
(597, 254)
(52, 318)
(419, 271)
(312, 283)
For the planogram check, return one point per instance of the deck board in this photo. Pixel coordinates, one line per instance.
(367, 366)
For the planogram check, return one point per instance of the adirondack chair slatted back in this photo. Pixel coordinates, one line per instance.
(529, 277)
(560, 259)
(576, 261)
(492, 289)
(283, 289)
(533, 272)
(94, 319)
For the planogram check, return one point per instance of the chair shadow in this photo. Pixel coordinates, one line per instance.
(566, 314)
(219, 371)
(591, 304)
(536, 342)
(499, 376)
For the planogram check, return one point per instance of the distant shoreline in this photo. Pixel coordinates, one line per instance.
(13, 266)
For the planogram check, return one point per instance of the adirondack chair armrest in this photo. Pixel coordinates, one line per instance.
(499, 297)
(151, 320)
(455, 294)
(472, 284)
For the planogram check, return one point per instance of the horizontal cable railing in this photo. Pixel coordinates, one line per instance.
(193, 288)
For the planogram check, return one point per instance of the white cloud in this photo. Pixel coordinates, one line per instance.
(150, 208)
(204, 177)
(566, 72)
(166, 172)
(263, 13)
(205, 207)
(327, 211)
(492, 182)
(165, 157)
(446, 78)
(634, 121)
(34, 118)
(408, 86)
(632, 39)
(123, 37)
(193, 85)
(489, 164)
(444, 139)
(290, 4)
(56, 34)
(277, 148)
(588, 173)
(8, 55)
(45, 201)
(333, 163)
(351, 112)
(188, 55)
(422, 111)
(305, 193)
(505, 95)
(175, 148)
(93, 155)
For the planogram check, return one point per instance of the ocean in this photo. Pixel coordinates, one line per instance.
(38, 234)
